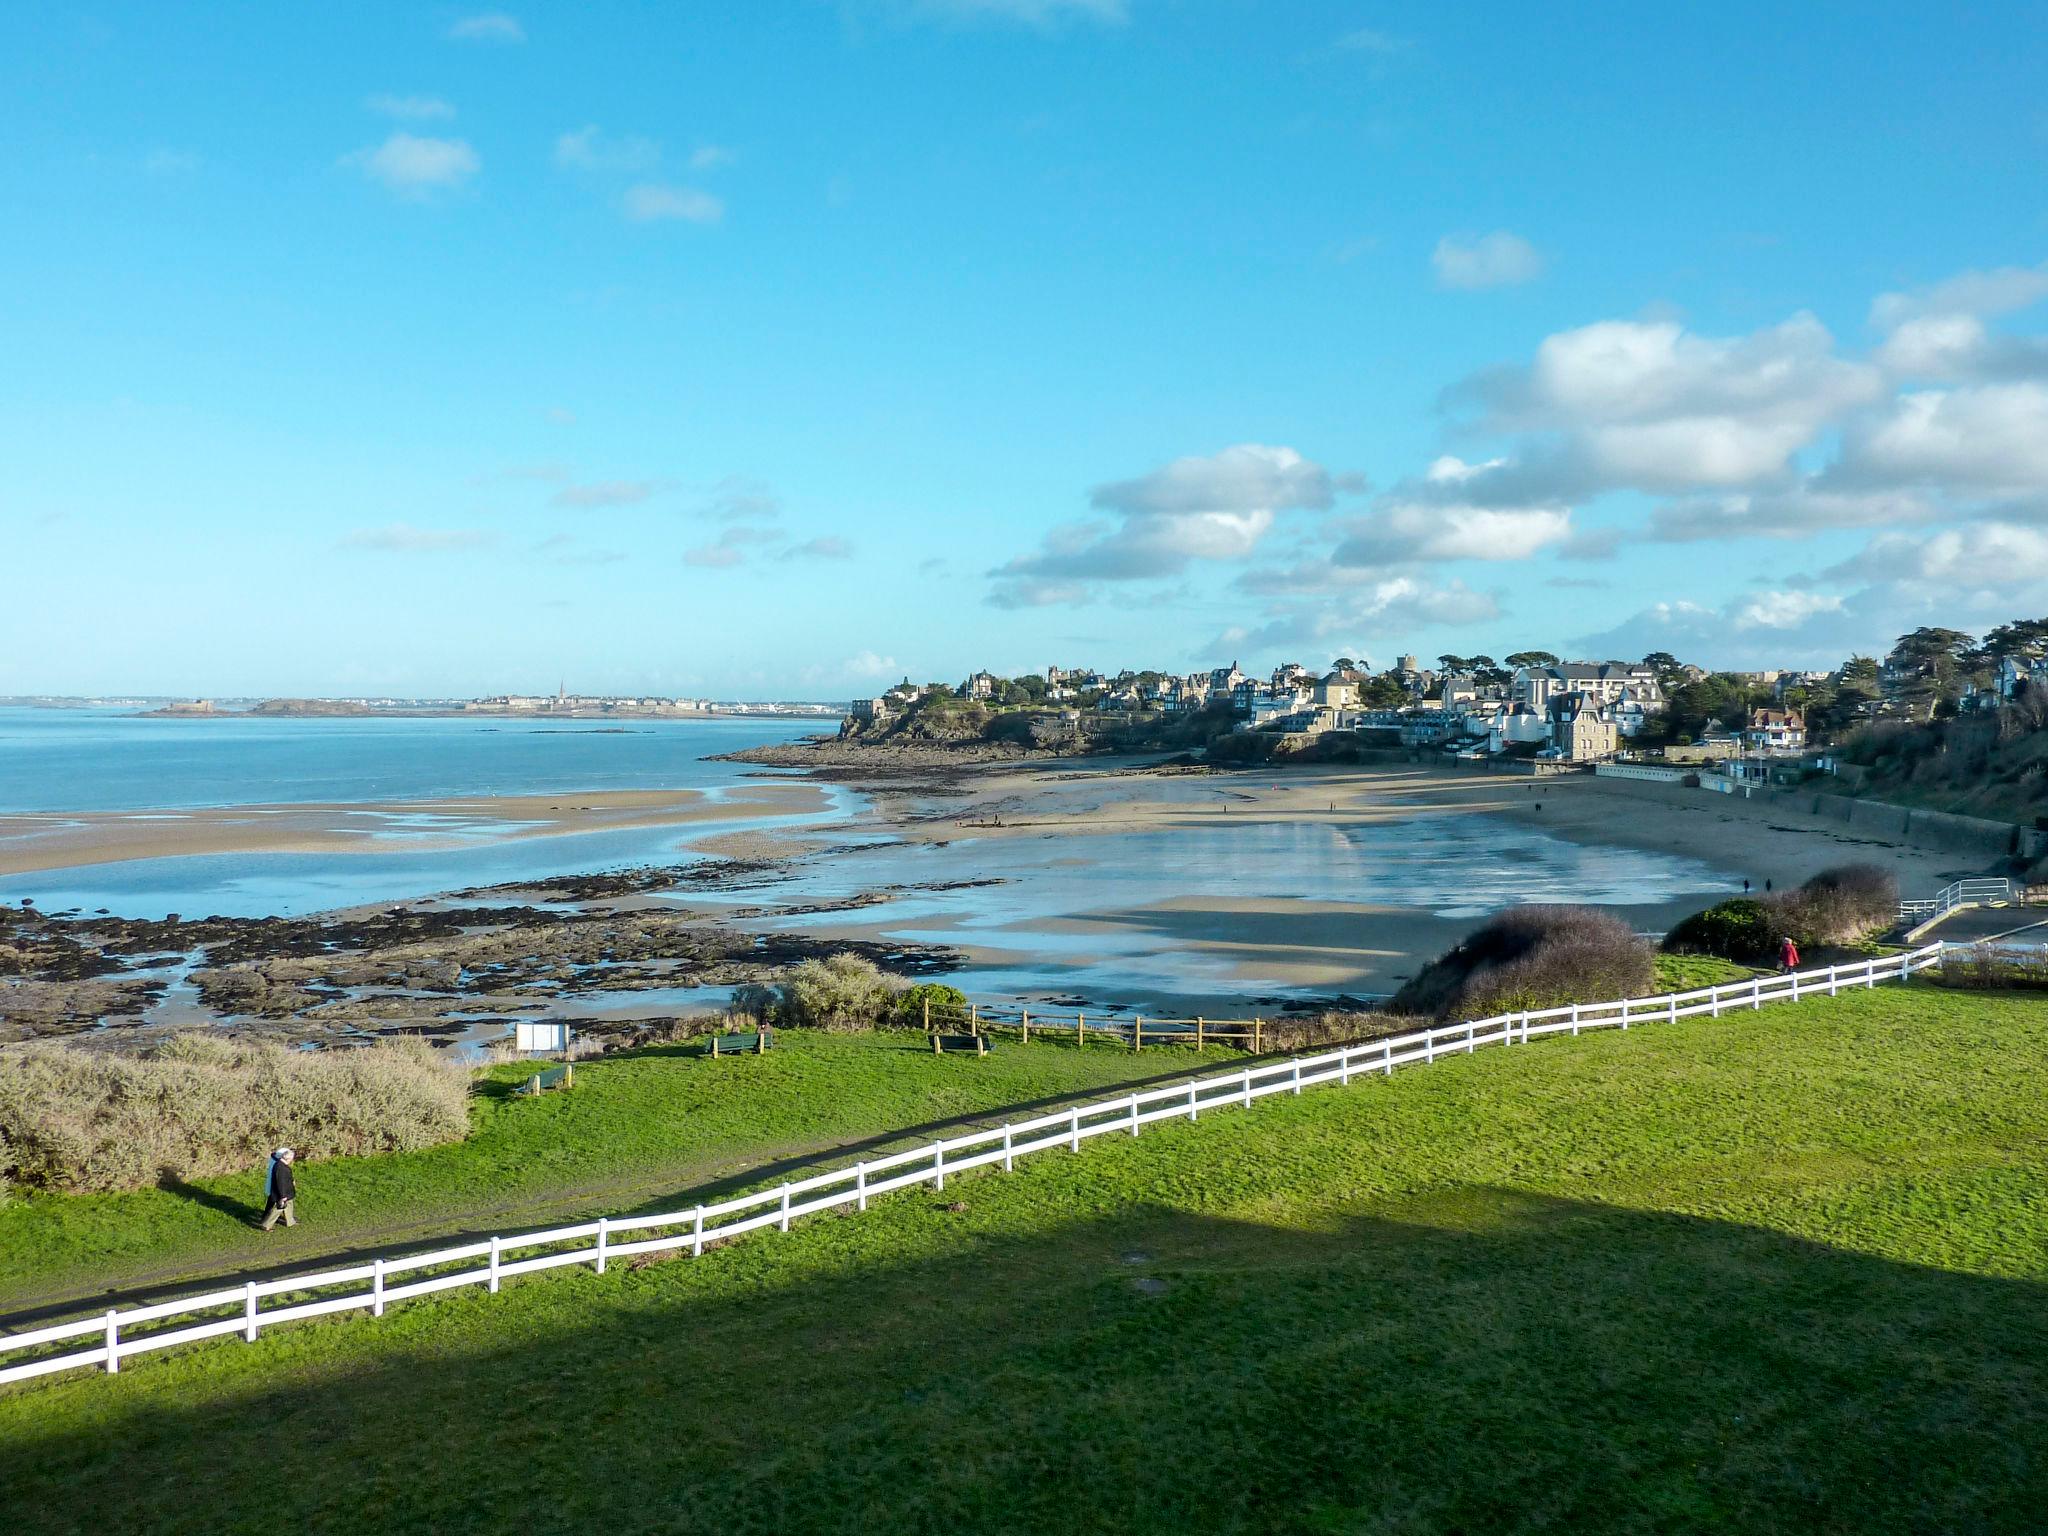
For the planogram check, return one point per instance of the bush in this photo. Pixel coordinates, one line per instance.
(946, 1003)
(1844, 905)
(1988, 968)
(1301, 1032)
(1533, 957)
(202, 1104)
(1744, 930)
(840, 992)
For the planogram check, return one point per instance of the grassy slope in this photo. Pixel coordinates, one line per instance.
(1780, 1272)
(633, 1131)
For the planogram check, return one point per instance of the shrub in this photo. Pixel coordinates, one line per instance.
(1988, 968)
(1300, 1032)
(1533, 957)
(202, 1104)
(841, 992)
(946, 1002)
(1844, 905)
(1744, 930)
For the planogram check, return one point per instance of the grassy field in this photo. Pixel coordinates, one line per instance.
(1783, 1271)
(635, 1129)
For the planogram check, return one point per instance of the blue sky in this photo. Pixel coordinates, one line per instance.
(784, 348)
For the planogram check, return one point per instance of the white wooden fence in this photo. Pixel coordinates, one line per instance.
(249, 1306)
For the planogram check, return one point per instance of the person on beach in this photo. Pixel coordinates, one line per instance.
(1788, 955)
(279, 1190)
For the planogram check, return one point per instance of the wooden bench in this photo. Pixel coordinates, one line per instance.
(975, 1044)
(563, 1076)
(740, 1045)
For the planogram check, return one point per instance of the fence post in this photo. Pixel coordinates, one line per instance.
(1831, 979)
(1009, 1162)
(974, 1018)
(1258, 1035)
(1247, 1087)
(1344, 1067)
(1387, 1050)
(377, 1287)
(1714, 1001)
(1756, 993)
(1134, 1114)
(697, 1234)
(603, 1234)
(1428, 1045)
(1525, 1028)
(1575, 1021)
(938, 1167)
(1198, 1031)
(113, 1342)
(1193, 1111)
(1624, 1013)
(1674, 1008)
(1471, 1039)
(783, 1225)
(1297, 1074)
(249, 1312)
(496, 1244)
(1080, 1029)
(1074, 1126)
(1138, 1033)
(1795, 986)
(860, 1186)
(1026, 1015)
(927, 1015)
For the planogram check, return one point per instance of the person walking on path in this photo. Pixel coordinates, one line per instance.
(279, 1190)
(1788, 955)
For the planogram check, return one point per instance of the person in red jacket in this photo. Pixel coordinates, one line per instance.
(1788, 955)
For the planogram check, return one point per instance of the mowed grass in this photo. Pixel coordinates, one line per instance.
(1784, 1271)
(634, 1131)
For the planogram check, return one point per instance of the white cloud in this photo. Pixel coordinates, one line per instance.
(1651, 405)
(1977, 555)
(606, 493)
(1370, 40)
(1034, 13)
(1999, 291)
(1498, 260)
(868, 664)
(1794, 514)
(589, 148)
(411, 109)
(1981, 438)
(1781, 610)
(1392, 605)
(1435, 521)
(490, 27)
(828, 547)
(403, 538)
(416, 167)
(1214, 507)
(650, 202)
(709, 157)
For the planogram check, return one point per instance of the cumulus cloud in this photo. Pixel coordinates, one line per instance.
(1203, 508)
(1436, 520)
(868, 664)
(489, 27)
(1999, 291)
(411, 109)
(606, 493)
(589, 148)
(1777, 628)
(413, 166)
(403, 538)
(654, 202)
(1032, 13)
(1987, 438)
(1498, 260)
(1651, 405)
(1989, 554)
(829, 547)
(1390, 605)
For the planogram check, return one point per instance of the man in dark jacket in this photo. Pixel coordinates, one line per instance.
(279, 1190)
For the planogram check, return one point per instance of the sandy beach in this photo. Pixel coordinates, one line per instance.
(62, 841)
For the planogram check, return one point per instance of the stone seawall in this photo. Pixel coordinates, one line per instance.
(1929, 829)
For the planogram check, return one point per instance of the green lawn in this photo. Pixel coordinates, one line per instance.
(1784, 1271)
(635, 1130)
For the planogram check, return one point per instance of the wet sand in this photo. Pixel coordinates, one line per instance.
(60, 841)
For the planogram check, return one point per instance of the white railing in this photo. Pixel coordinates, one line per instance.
(1956, 894)
(240, 1307)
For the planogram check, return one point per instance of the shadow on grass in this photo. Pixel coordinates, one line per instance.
(1495, 1362)
(170, 1183)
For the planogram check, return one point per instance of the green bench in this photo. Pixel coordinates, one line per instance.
(563, 1076)
(755, 1044)
(976, 1044)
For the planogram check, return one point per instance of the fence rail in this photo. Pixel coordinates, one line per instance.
(240, 1307)
(1956, 894)
(1135, 1031)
